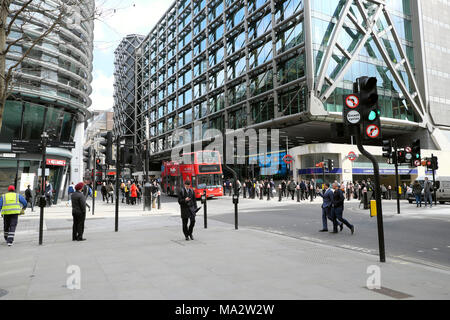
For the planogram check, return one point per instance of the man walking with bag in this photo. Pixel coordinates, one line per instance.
(188, 206)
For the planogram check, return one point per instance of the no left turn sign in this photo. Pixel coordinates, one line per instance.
(352, 101)
(373, 131)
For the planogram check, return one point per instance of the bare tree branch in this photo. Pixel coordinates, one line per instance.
(16, 15)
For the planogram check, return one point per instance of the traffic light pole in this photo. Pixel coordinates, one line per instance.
(94, 183)
(42, 200)
(117, 183)
(377, 197)
(323, 172)
(434, 181)
(235, 177)
(395, 157)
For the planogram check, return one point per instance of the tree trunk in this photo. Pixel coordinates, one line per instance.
(3, 87)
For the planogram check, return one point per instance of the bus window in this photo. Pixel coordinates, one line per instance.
(209, 181)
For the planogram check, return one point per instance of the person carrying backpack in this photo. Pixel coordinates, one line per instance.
(70, 191)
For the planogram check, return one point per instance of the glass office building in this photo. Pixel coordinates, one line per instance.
(50, 92)
(279, 64)
(241, 64)
(124, 88)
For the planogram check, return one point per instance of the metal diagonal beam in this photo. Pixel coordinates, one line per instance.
(336, 32)
(370, 23)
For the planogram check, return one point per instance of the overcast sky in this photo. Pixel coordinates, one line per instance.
(130, 17)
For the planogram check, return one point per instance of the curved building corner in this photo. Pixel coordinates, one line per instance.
(50, 93)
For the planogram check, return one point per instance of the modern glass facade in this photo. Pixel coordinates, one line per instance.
(228, 64)
(224, 64)
(51, 87)
(124, 87)
(368, 59)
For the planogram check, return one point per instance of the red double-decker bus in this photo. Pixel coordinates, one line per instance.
(204, 171)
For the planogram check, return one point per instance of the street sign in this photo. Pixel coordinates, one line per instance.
(408, 149)
(352, 156)
(373, 131)
(352, 101)
(62, 144)
(408, 156)
(417, 163)
(25, 146)
(354, 117)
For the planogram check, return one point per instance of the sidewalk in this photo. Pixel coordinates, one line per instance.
(149, 259)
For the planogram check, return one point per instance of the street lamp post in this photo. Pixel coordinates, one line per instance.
(42, 202)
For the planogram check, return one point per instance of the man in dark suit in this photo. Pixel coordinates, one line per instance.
(188, 206)
(327, 196)
(338, 208)
(78, 213)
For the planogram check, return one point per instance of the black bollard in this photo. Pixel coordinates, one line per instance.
(147, 197)
(205, 210)
(159, 200)
(260, 194)
(298, 195)
(245, 191)
(366, 203)
(279, 194)
(268, 194)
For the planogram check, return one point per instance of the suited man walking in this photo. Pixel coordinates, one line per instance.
(78, 213)
(188, 206)
(327, 196)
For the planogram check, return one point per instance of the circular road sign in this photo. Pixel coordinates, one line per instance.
(408, 156)
(373, 131)
(408, 149)
(354, 117)
(352, 156)
(417, 163)
(352, 101)
(288, 159)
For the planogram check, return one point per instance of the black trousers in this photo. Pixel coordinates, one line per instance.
(9, 226)
(78, 226)
(338, 214)
(188, 230)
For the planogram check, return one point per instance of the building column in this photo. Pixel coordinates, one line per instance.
(76, 164)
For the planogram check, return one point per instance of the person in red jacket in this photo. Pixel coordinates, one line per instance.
(133, 193)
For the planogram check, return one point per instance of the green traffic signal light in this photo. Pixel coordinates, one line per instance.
(372, 115)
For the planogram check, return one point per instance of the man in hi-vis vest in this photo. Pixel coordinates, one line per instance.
(11, 205)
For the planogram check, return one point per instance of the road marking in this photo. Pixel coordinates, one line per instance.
(420, 251)
(436, 249)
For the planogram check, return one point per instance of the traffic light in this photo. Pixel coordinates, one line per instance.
(87, 154)
(416, 154)
(325, 166)
(434, 161)
(428, 162)
(330, 165)
(369, 107)
(125, 156)
(387, 149)
(401, 156)
(108, 144)
(98, 164)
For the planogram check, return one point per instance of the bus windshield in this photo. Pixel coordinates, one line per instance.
(206, 181)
